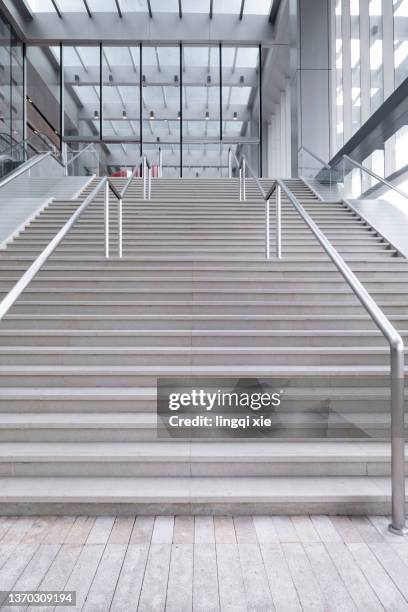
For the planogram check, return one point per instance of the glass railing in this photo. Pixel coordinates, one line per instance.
(347, 179)
(83, 162)
(13, 156)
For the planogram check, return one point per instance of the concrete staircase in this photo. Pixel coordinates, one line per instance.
(25, 197)
(81, 350)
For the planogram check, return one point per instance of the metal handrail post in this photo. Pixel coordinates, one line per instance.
(160, 163)
(240, 184)
(243, 179)
(278, 236)
(144, 177)
(229, 164)
(398, 524)
(120, 228)
(106, 209)
(397, 370)
(267, 224)
(150, 183)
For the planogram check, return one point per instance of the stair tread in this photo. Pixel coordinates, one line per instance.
(237, 451)
(146, 392)
(195, 489)
(195, 350)
(202, 370)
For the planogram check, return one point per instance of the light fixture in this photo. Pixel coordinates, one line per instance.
(111, 78)
(209, 79)
(176, 80)
(235, 115)
(96, 114)
(158, 139)
(76, 78)
(241, 79)
(179, 115)
(124, 114)
(207, 115)
(151, 115)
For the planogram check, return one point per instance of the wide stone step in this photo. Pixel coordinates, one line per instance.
(189, 320)
(205, 282)
(187, 355)
(171, 337)
(190, 459)
(129, 375)
(118, 309)
(197, 495)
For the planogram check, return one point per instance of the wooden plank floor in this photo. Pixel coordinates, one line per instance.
(206, 564)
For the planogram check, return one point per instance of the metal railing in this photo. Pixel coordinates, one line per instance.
(147, 193)
(352, 162)
(26, 167)
(105, 185)
(309, 152)
(89, 148)
(374, 175)
(160, 163)
(27, 277)
(397, 357)
(108, 185)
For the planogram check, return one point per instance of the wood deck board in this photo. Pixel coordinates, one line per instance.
(226, 563)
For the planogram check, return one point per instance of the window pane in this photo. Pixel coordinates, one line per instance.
(120, 95)
(43, 89)
(82, 91)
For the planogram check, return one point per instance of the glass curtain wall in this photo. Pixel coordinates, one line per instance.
(121, 107)
(355, 58)
(241, 102)
(400, 18)
(82, 92)
(185, 103)
(161, 107)
(44, 92)
(376, 55)
(11, 87)
(370, 59)
(201, 110)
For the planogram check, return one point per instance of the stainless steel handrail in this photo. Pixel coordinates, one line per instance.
(231, 154)
(160, 163)
(243, 165)
(397, 356)
(316, 157)
(8, 301)
(147, 191)
(398, 524)
(373, 174)
(356, 164)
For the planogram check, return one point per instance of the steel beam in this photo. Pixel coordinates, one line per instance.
(165, 28)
